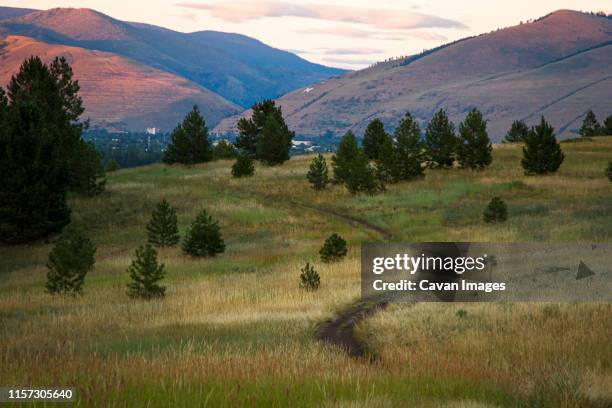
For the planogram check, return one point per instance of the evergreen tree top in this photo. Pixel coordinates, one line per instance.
(407, 127)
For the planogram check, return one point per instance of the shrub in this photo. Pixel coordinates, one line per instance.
(609, 171)
(496, 211)
(542, 153)
(163, 229)
(309, 278)
(334, 249)
(69, 261)
(318, 173)
(243, 166)
(146, 273)
(204, 237)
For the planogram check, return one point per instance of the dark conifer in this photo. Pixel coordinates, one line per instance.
(362, 176)
(318, 174)
(373, 138)
(590, 126)
(347, 151)
(89, 176)
(251, 130)
(189, 141)
(243, 166)
(273, 145)
(162, 230)
(146, 273)
(609, 171)
(309, 278)
(496, 211)
(224, 150)
(607, 126)
(386, 163)
(203, 239)
(440, 141)
(517, 133)
(409, 149)
(542, 153)
(72, 257)
(473, 144)
(333, 249)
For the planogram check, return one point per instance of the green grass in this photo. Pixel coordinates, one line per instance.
(236, 330)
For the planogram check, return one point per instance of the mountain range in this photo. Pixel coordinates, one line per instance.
(557, 66)
(135, 75)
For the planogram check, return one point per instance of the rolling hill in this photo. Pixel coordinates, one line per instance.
(557, 66)
(241, 69)
(119, 93)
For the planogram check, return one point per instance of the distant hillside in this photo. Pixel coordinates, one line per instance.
(10, 12)
(558, 66)
(241, 69)
(119, 93)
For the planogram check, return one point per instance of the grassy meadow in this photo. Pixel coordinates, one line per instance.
(236, 330)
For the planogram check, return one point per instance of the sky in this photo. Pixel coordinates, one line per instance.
(348, 34)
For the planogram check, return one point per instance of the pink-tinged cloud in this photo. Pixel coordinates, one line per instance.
(397, 35)
(350, 51)
(392, 19)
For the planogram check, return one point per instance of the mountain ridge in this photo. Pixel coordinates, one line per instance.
(389, 89)
(239, 68)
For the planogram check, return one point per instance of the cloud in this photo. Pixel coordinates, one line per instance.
(350, 51)
(382, 18)
(351, 32)
(359, 62)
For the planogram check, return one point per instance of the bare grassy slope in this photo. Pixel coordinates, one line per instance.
(117, 92)
(509, 74)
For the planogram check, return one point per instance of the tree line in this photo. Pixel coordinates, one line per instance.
(383, 158)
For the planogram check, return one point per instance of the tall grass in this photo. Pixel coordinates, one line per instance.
(236, 330)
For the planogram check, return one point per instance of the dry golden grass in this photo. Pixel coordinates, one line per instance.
(237, 330)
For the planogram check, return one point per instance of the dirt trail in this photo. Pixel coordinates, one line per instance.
(340, 330)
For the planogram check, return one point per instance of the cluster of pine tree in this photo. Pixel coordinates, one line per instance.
(591, 127)
(405, 154)
(265, 136)
(42, 153)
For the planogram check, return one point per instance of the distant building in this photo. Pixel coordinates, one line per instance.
(297, 143)
(152, 131)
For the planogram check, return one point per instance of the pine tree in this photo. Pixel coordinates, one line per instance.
(250, 131)
(347, 151)
(496, 211)
(373, 138)
(542, 153)
(440, 141)
(89, 177)
(309, 278)
(333, 249)
(362, 176)
(162, 230)
(590, 126)
(146, 273)
(609, 171)
(112, 166)
(409, 149)
(189, 141)
(203, 239)
(224, 150)
(473, 144)
(318, 173)
(72, 257)
(38, 142)
(517, 133)
(386, 163)
(272, 148)
(243, 166)
(607, 127)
